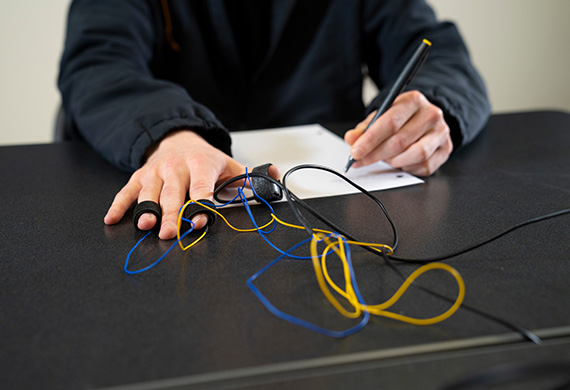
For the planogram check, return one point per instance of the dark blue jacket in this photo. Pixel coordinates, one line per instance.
(134, 70)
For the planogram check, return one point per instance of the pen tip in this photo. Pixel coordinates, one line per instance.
(349, 164)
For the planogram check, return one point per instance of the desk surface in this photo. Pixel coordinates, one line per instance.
(71, 318)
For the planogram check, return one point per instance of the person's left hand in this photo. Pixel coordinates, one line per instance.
(411, 135)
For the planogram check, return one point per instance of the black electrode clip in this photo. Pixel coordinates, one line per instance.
(194, 209)
(263, 187)
(148, 206)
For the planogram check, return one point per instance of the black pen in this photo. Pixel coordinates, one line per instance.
(407, 74)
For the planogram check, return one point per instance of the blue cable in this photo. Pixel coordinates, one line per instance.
(246, 204)
(161, 257)
(262, 234)
(298, 321)
(178, 240)
(254, 289)
(268, 304)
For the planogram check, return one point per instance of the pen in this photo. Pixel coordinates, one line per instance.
(407, 74)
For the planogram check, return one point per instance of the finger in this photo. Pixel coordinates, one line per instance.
(203, 180)
(429, 166)
(425, 157)
(122, 202)
(274, 172)
(423, 149)
(171, 200)
(352, 135)
(419, 125)
(146, 221)
(385, 126)
(149, 191)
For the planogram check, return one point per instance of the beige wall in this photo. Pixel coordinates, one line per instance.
(31, 38)
(520, 47)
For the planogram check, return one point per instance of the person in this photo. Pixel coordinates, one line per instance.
(155, 85)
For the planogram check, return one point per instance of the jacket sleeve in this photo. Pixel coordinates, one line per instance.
(393, 30)
(109, 93)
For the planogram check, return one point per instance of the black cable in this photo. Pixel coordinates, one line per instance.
(292, 198)
(294, 201)
(487, 241)
(530, 336)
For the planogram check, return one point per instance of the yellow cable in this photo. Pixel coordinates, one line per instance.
(297, 226)
(323, 285)
(344, 293)
(350, 295)
(324, 279)
(179, 224)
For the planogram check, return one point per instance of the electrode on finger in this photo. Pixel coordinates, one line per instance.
(147, 206)
(263, 185)
(264, 188)
(196, 208)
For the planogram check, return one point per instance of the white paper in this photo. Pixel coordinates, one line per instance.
(313, 144)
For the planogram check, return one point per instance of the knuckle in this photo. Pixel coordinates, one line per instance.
(201, 159)
(390, 127)
(171, 164)
(416, 97)
(394, 124)
(398, 143)
(170, 191)
(424, 169)
(169, 215)
(445, 133)
(436, 114)
(423, 153)
(201, 186)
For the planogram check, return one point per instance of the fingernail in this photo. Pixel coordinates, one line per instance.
(199, 221)
(146, 221)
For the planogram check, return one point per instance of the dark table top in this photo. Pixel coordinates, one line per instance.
(71, 318)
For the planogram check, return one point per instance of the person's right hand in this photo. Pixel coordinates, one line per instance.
(183, 161)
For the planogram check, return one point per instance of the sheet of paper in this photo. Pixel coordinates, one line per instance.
(313, 144)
